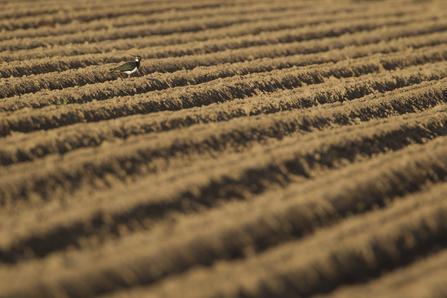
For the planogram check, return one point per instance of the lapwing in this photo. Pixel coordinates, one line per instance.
(129, 67)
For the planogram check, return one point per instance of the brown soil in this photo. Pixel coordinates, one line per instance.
(263, 149)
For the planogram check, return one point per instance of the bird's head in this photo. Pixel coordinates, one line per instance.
(137, 58)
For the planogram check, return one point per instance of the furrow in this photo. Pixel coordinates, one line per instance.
(31, 11)
(302, 268)
(300, 209)
(33, 8)
(252, 25)
(235, 178)
(146, 16)
(66, 139)
(92, 14)
(425, 277)
(231, 33)
(262, 149)
(280, 36)
(101, 74)
(161, 28)
(136, 158)
(187, 97)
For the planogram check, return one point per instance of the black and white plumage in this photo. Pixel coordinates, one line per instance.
(129, 67)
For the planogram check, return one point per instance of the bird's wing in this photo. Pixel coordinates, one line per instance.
(125, 66)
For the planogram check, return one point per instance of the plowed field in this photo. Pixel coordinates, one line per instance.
(262, 149)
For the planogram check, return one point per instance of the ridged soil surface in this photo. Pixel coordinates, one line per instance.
(262, 149)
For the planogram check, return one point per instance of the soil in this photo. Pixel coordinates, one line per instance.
(262, 149)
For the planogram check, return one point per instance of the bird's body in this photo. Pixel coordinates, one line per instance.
(129, 67)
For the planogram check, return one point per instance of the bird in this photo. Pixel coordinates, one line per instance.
(129, 67)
